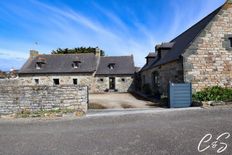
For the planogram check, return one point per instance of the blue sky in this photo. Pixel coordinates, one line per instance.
(119, 27)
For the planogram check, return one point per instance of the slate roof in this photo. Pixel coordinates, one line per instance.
(60, 63)
(148, 65)
(151, 55)
(182, 42)
(123, 65)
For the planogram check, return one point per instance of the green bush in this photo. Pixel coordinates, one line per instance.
(215, 93)
(147, 89)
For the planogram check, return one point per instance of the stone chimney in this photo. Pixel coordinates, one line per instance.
(97, 52)
(33, 53)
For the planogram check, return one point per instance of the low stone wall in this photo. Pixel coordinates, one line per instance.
(14, 98)
(11, 82)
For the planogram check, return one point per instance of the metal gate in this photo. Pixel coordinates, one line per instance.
(180, 95)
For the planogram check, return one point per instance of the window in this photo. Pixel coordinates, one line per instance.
(101, 80)
(123, 80)
(230, 40)
(76, 64)
(75, 81)
(56, 81)
(38, 65)
(156, 79)
(111, 65)
(36, 81)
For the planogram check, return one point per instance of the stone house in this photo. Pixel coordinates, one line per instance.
(201, 55)
(99, 73)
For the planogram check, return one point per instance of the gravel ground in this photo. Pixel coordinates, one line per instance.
(118, 100)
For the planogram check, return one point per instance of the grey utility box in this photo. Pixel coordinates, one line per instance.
(180, 95)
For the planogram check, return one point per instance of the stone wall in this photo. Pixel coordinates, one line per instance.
(208, 61)
(172, 71)
(15, 97)
(96, 84)
(65, 79)
(122, 84)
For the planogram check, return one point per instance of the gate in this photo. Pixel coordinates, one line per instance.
(180, 95)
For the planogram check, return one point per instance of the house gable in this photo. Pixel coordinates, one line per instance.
(208, 60)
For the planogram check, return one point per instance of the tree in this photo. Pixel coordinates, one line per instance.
(77, 50)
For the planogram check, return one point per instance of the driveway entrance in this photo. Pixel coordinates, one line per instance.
(117, 101)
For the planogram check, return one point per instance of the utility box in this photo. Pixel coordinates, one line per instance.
(180, 95)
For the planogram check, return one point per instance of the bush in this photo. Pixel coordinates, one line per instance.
(147, 89)
(215, 93)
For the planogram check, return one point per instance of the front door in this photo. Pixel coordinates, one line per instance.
(112, 83)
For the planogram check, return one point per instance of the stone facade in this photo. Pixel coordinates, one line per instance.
(122, 84)
(64, 79)
(205, 61)
(96, 84)
(15, 97)
(169, 72)
(208, 60)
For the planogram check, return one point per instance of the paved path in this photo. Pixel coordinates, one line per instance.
(173, 132)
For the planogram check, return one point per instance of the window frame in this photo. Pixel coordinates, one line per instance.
(56, 81)
(36, 81)
(38, 65)
(230, 42)
(76, 64)
(75, 81)
(111, 66)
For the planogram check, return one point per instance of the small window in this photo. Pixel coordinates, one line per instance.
(56, 81)
(111, 66)
(76, 64)
(230, 40)
(101, 80)
(38, 65)
(75, 81)
(36, 81)
(123, 80)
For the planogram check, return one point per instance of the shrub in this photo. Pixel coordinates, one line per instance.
(215, 93)
(147, 89)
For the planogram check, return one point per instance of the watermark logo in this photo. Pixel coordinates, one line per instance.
(218, 144)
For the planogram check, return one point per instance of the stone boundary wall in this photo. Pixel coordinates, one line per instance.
(15, 98)
(10, 82)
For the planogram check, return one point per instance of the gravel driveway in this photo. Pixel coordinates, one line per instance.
(116, 101)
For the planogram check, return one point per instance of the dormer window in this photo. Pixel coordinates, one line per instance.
(76, 64)
(38, 65)
(111, 66)
(40, 62)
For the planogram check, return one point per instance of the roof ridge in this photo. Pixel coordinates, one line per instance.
(64, 54)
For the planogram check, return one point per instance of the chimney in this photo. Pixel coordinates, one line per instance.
(33, 53)
(97, 52)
